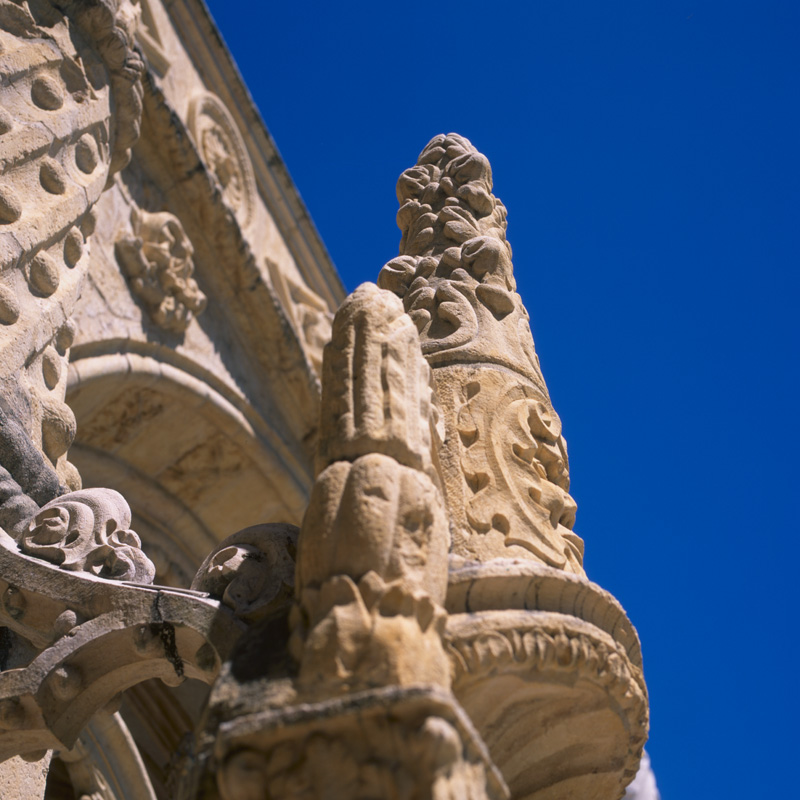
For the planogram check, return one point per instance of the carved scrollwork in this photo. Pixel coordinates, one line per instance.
(157, 259)
(514, 462)
(89, 531)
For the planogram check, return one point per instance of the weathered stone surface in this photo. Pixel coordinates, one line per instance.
(23, 780)
(372, 554)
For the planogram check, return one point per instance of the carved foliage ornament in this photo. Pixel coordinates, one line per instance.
(454, 273)
(514, 461)
(157, 258)
(455, 277)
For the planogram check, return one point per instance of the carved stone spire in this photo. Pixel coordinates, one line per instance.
(504, 460)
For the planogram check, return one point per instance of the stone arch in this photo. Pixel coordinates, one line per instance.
(195, 461)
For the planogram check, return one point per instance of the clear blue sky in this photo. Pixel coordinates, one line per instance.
(648, 156)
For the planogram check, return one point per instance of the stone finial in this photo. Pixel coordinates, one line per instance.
(454, 272)
(504, 460)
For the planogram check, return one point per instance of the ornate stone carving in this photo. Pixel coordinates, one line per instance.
(307, 310)
(252, 572)
(510, 673)
(423, 749)
(89, 531)
(507, 497)
(372, 552)
(376, 390)
(546, 657)
(454, 271)
(512, 448)
(224, 153)
(157, 259)
(77, 640)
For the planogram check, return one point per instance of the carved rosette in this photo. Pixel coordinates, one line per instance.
(507, 495)
(223, 151)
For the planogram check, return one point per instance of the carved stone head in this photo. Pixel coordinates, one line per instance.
(89, 531)
(252, 572)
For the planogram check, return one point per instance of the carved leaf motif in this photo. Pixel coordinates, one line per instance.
(517, 474)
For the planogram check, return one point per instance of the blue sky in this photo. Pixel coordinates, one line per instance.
(648, 156)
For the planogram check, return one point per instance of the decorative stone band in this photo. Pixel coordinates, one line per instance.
(559, 684)
(94, 639)
(414, 742)
(507, 584)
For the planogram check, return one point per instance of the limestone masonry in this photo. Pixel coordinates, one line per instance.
(259, 539)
